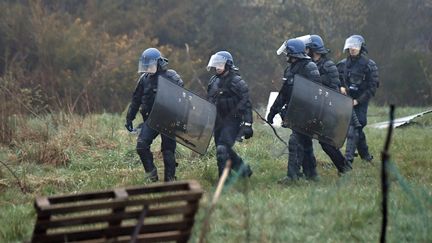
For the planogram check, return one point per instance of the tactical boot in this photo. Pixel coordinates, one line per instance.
(152, 176)
(314, 178)
(368, 158)
(345, 169)
(246, 171)
(344, 172)
(288, 180)
(173, 178)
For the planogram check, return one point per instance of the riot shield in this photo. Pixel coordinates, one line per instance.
(182, 115)
(319, 112)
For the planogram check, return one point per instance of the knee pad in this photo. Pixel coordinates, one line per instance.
(222, 155)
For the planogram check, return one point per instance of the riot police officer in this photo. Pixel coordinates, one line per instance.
(330, 78)
(230, 93)
(299, 146)
(359, 77)
(151, 66)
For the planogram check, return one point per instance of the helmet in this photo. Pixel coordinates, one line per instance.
(355, 42)
(360, 38)
(220, 59)
(296, 48)
(317, 45)
(149, 60)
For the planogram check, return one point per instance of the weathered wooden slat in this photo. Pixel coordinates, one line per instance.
(195, 186)
(112, 232)
(179, 236)
(81, 196)
(120, 193)
(158, 187)
(182, 196)
(194, 208)
(86, 219)
(42, 202)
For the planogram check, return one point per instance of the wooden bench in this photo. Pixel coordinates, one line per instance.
(151, 213)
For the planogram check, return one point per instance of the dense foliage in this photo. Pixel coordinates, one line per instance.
(81, 56)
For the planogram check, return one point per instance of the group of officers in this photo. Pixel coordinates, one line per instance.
(355, 76)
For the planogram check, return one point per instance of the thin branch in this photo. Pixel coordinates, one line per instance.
(194, 73)
(19, 101)
(271, 126)
(21, 185)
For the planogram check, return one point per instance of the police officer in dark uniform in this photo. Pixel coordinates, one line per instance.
(299, 145)
(151, 66)
(359, 77)
(230, 93)
(330, 78)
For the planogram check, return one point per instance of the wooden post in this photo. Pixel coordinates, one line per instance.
(216, 195)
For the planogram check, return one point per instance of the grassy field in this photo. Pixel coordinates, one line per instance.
(65, 154)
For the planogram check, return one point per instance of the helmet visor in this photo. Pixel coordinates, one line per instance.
(305, 38)
(146, 65)
(282, 49)
(216, 61)
(352, 43)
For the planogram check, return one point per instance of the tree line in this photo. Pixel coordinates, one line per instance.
(81, 56)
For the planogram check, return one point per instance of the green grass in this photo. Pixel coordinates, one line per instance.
(99, 154)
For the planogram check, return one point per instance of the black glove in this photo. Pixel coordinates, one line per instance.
(247, 131)
(129, 125)
(270, 117)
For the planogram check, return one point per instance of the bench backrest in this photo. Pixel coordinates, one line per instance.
(152, 213)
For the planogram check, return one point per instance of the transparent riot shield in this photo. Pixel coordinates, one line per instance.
(319, 112)
(182, 115)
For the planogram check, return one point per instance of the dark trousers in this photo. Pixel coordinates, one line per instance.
(336, 157)
(300, 154)
(144, 141)
(225, 133)
(356, 138)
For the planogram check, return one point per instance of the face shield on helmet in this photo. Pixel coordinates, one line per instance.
(305, 38)
(294, 48)
(148, 62)
(147, 65)
(216, 61)
(282, 49)
(352, 43)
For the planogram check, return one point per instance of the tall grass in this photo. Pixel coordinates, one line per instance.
(95, 152)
